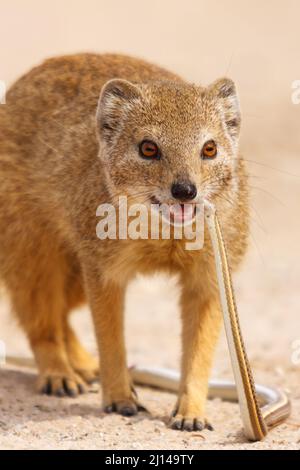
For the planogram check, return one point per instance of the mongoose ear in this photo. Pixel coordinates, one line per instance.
(225, 90)
(116, 97)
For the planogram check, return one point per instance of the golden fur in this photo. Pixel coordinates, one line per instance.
(60, 157)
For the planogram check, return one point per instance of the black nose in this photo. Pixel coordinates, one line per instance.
(185, 191)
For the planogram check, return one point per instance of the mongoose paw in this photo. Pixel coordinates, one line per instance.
(82, 362)
(189, 423)
(89, 375)
(127, 407)
(61, 385)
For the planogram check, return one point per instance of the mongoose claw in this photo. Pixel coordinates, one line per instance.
(125, 408)
(61, 386)
(180, 423)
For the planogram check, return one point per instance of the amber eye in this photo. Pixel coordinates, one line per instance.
(149, 149)
(209, 149)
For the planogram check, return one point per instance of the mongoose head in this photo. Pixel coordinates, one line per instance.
(169, 142)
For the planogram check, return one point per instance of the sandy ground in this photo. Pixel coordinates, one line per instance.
(258, 46)
(267, 290)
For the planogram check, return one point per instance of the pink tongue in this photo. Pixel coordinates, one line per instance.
(181, 212)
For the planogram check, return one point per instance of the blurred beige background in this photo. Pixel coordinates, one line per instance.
(257, 43)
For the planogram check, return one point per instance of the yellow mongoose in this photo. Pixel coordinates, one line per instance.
(152, 136)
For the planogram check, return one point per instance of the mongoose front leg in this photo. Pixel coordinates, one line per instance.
(201, 322)
(107, 303)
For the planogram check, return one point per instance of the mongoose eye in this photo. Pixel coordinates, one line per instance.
(149, 149)
(209, 149)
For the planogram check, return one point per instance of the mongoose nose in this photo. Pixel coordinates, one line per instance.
(185, 191)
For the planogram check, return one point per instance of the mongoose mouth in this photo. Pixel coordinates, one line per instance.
(176, 213)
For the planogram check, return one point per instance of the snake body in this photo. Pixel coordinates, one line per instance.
(254, 424)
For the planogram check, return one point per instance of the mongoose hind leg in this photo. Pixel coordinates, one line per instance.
(81, 361)
(83, 364)
(37, 292)
(42, 319)
(56, 377)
